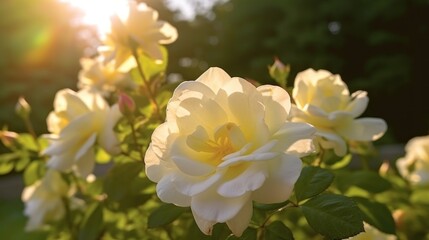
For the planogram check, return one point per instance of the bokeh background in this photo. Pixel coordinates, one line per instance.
(378, 46)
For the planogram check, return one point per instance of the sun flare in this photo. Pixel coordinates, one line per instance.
(98, 12)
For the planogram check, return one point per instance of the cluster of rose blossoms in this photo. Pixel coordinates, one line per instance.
(224, 144)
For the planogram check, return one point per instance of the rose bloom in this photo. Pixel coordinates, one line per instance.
(225, 144)
(79, 120)
(415, 165)
(140, 28)
(323, 100)
(103, 77)
(43, 200)
(372, 233)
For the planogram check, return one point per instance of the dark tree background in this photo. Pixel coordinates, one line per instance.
(378, 46)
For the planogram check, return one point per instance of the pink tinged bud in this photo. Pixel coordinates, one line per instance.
(126, 104)
(8, 138)
(22, 108)
(279, 72)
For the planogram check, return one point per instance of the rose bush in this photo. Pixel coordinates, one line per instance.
(230, 160)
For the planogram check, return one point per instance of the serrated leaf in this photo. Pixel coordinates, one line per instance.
(278, 231)
(376, 214)
(92, 223)
(164, 215)
(312, 181)
(334, 216)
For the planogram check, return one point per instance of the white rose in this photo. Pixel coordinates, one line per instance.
(415, 165)
(224, 145)
(142, 26)
(78, 121)
(323, 100)
(103, 77)
(372, 233)
(43, 200)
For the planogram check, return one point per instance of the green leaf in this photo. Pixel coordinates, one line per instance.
(248, 234)
(334, 216)
(27, 141)
(151, 67)
(370, 181)
(312, 181)
(420, 196)
(366, 180)
(8, 157)
(278, 231)
(119, 179)
(22, 162)
(6, 168)
(92, 224)
(376, 214)
(34, 172)
(164, 215)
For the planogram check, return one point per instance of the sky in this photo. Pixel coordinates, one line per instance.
(187, 7)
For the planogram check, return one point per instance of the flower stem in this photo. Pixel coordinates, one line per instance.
(30, 129)
(134, 134)
(69, 219)
(146, 85)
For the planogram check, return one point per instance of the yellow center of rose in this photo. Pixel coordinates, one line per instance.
(226, 139)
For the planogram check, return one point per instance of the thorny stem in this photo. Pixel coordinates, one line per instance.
(261, 235)
(146, 86)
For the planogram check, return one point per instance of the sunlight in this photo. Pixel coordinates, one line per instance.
(98, 12)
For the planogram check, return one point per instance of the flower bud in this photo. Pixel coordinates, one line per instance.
(279, 72)
(126, 104)
(8, 138)
(22, 108)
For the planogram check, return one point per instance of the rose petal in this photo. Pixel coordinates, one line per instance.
(363, 129)
(215, 78)
(241, 221)
(359, 103)
(213, 207)
(331, 140)
(277, 105)
(251, 179)
(168, 193)
(280, 182)
(107, 136)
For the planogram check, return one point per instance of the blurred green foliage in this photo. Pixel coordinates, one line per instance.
(377, 46)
